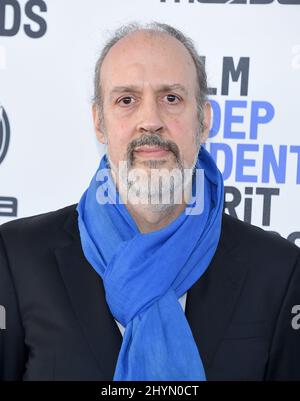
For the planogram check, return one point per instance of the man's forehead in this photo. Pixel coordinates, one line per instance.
(144, 39)
(138, 49)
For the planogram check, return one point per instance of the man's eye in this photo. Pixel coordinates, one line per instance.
(126, 100)
(172, 98)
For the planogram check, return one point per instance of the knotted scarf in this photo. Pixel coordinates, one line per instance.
(144, 275)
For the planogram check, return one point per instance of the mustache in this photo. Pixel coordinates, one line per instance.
(152, 140)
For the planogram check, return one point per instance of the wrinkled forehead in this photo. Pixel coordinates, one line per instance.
(148, 57)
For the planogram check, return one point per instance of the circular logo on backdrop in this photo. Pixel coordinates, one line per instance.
(4, 133)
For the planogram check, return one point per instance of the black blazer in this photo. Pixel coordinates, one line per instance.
(59, 327)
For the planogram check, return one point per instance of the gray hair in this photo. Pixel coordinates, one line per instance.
(155, 27)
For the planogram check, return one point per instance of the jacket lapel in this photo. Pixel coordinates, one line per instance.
(87, 296)
(209, 304)
(211, 300)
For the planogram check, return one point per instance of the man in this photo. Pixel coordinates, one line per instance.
(91, 291)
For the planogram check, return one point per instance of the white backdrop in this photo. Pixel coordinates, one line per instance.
(48, 149)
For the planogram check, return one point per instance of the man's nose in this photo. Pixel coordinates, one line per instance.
(150, 119)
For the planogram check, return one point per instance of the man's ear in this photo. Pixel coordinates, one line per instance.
(96, 118)
(206, 121)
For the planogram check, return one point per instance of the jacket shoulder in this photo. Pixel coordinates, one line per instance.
(255, 243)
(36, 227)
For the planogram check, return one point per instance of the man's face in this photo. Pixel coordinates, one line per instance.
(149, 88)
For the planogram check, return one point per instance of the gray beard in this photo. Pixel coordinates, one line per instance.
(172, 191)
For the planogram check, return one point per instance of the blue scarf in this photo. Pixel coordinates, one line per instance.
(144, 275)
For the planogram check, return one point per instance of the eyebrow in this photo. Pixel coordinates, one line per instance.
(161, 88)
